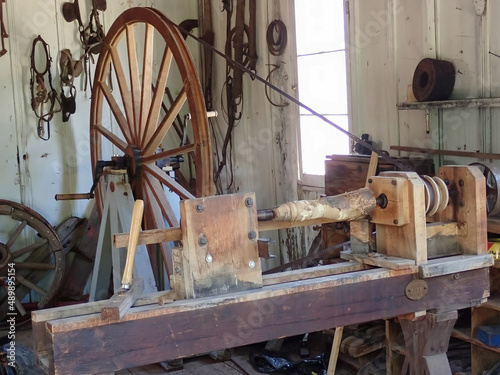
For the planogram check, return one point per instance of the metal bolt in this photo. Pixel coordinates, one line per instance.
(393, 182)
(249, 202)
(395, 221)
(178, 270)
(209, 258)
(370, 180)
(455, 276)
(200, 207)
(461, 204)
(251, 264)
(202, 241)
(252, 235)
(461, 182)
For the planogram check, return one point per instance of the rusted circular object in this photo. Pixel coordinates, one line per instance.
(433, 80)
(416, 289)
(492, 176)
(34, 247)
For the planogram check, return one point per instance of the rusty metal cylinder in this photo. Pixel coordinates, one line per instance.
(433, 80)
(344, 207)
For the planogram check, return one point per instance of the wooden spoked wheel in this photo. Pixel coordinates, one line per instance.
(31, 253)
(142, 58)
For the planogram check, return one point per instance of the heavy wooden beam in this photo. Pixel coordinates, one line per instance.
(149, 334)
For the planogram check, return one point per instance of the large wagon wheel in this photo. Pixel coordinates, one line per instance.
(144, 53)
(32, 244)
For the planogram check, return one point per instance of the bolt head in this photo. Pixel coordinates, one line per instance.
(252, 235)
(249, 202)
(200, 208)
(209, 258)
(461, 182)
(394, 182)
(178, 270)
(370, 180)
(251, 264)
(395, 222)
(202, 241)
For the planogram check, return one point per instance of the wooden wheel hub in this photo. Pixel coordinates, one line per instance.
(133, 163)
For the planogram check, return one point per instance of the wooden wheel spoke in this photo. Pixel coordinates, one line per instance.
(154, 188)
(166, 123)
(135, 85)
(172, 152)
(29, 249)
(147, 79)
(123, 87)
(30, 285)
(35, 266)
(115, 109)
(159, 92)
(16, 234)
(112, 137)
(168, 181)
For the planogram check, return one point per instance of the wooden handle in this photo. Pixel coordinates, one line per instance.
(70, 197)
(135, 225)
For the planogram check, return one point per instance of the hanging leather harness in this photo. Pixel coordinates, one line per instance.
(43, 99)
(70, 69)
(91, 35)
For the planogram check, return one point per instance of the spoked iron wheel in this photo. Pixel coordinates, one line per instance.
(31, 244)
(492, 175)
(143, 56)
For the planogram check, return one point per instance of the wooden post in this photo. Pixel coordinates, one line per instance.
(337, 339)
(426, 338)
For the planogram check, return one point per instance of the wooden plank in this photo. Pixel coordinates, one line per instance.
(454, 264)
(411, 238)
(380, 260)
(467, 207)
(494, 225)
(337, 339)
(465, 154)
(38, 318)
(247, 317)
(442, 239)
(220, 252)
(118, 305)
(452, 103)
(308, 273)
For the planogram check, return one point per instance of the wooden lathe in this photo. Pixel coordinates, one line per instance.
(220, 298)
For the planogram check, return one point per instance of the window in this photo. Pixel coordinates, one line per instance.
(322, 78)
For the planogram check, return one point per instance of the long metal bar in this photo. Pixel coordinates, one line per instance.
(292, 99)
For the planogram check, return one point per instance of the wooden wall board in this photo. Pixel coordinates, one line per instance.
(195, 326)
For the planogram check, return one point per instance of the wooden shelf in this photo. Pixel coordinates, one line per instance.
(457, 103)
(464, 335)
(492, 303)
